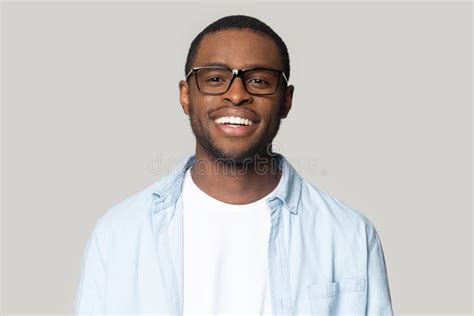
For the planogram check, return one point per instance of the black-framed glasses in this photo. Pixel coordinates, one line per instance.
(217, 80)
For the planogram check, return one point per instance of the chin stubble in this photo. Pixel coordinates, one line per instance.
(259, 150)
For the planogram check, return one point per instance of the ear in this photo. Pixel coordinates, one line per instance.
(184, 96)
(287, 101)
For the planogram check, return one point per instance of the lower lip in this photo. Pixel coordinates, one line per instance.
(235, 131)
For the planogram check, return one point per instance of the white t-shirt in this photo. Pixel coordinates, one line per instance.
(225, 254)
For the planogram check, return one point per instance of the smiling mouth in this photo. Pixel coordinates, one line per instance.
(233, 127)
(234, 121)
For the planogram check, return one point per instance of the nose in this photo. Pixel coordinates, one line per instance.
(236, 94)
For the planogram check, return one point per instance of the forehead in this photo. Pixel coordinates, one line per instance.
(238, 48)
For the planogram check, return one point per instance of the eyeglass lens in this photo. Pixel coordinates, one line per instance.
(257, 81)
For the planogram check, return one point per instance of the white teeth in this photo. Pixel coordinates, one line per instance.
(233, 120)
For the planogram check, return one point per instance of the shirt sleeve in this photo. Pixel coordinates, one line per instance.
(91, 289)
(378, 291)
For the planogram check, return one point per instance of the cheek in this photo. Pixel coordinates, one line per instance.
(203, 103)
(275, 113)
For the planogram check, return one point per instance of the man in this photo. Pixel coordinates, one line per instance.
(234, 228)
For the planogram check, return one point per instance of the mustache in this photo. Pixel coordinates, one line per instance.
(227, 107)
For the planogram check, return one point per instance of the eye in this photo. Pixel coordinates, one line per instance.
(215, 79)
(257, 81)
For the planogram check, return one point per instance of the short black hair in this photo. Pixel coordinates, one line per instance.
(240, 22)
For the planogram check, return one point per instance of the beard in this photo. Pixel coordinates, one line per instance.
(262, 148)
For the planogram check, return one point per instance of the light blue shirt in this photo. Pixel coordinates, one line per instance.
(324, 258)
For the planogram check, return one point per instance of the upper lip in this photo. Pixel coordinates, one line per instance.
(243, 114)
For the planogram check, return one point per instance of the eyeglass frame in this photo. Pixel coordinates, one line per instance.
(237, 73)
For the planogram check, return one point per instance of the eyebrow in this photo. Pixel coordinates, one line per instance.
(227, 66)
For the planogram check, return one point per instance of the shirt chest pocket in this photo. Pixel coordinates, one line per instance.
(343, 297)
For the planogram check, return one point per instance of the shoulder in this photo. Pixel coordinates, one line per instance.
(323, 209)
(129, 212)
(134, 211)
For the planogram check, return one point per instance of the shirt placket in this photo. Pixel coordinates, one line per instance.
(278, 262)
(168, 267)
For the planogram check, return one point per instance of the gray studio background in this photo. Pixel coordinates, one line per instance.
(381, 120)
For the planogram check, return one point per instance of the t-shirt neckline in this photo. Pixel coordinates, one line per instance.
(209, 199)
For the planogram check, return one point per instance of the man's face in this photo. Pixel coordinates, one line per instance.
(236, 49)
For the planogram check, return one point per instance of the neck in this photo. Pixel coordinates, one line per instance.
(236, 183)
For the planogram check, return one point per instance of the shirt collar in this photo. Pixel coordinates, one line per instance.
(167, 190)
